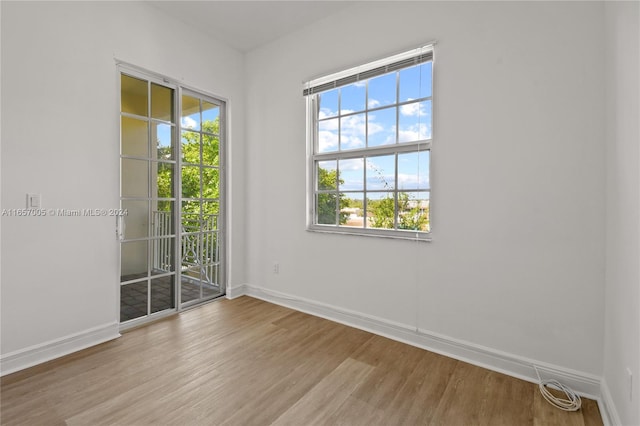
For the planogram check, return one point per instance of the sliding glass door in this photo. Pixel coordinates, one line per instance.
(171, 248)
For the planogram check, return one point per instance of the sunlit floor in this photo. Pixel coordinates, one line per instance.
(133, 297)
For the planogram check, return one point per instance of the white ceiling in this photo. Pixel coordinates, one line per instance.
(246, 25)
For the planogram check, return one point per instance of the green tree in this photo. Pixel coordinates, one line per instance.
(383, 211)
(327, 202)
(191, 175)
(411, 218)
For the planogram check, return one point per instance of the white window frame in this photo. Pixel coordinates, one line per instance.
(343, 78)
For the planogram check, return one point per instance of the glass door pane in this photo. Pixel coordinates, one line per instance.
(147, 194)
(200, 190)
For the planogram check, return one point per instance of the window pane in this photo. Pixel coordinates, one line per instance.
(352, 97)
(191, 182)
(190, 113)
(413, 170)
(162, 256)
(164, 180)
(163, 137)
(133, 301)
(352, 209)
(352, 131)
(133, 97)
(414, 122)
(328, 104)
(381, 172)
(210, 118)
(211, 288)
(328, 135)
(190, 284)
(210, 150)
(380, 210)
(382, 90)
(133, 260)
(381, 128)
(415, 82)
(190, 147)
(210, 242)
(210, 211)
(135, 175)
(137, 219)
(161, 102)
(326, 205)
(327, 175)
(162, 293)
(413, 211)
(351, 174)
(210, 183)
(134, 137)
(190, 216)
(162, 218)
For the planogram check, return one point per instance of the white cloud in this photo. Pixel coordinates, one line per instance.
(373, 103)
(353, 131)
(414, 109)
(414, 132)
(354, 164)
(352, 142)
(326, 112)
(413, 181)
(327, 141)
(374, 127)
(329, 125)
(380, 181)
(189, 123)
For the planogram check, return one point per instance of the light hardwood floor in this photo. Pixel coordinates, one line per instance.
(248, 362)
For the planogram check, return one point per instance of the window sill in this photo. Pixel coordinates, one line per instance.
(391, 234)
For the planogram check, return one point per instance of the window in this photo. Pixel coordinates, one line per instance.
(370, 134)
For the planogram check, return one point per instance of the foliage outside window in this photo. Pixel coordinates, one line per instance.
(370, 136)
(200, 150)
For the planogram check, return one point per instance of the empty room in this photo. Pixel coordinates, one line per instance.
(320, 212)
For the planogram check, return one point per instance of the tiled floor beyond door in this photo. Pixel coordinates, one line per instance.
(133, 297)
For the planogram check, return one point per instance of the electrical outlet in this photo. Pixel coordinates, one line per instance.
(630, 374)
(276, 268)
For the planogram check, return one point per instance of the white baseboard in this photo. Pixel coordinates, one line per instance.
(37, 354)
(607, 407)
(585, 384)
(236, 291)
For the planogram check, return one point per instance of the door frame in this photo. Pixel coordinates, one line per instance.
(178, 87)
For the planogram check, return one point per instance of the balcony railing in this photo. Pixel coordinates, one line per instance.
(199, 255)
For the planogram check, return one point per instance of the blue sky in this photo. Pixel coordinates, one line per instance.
(209, 113)
(378, 128)
(163, 135)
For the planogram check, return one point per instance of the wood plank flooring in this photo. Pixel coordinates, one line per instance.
(248, 362)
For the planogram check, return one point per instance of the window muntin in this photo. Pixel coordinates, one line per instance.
(370, 151)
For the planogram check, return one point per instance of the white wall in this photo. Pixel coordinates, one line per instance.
(622, 313)
(517, 259)
(60, 138)
(517, 264)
